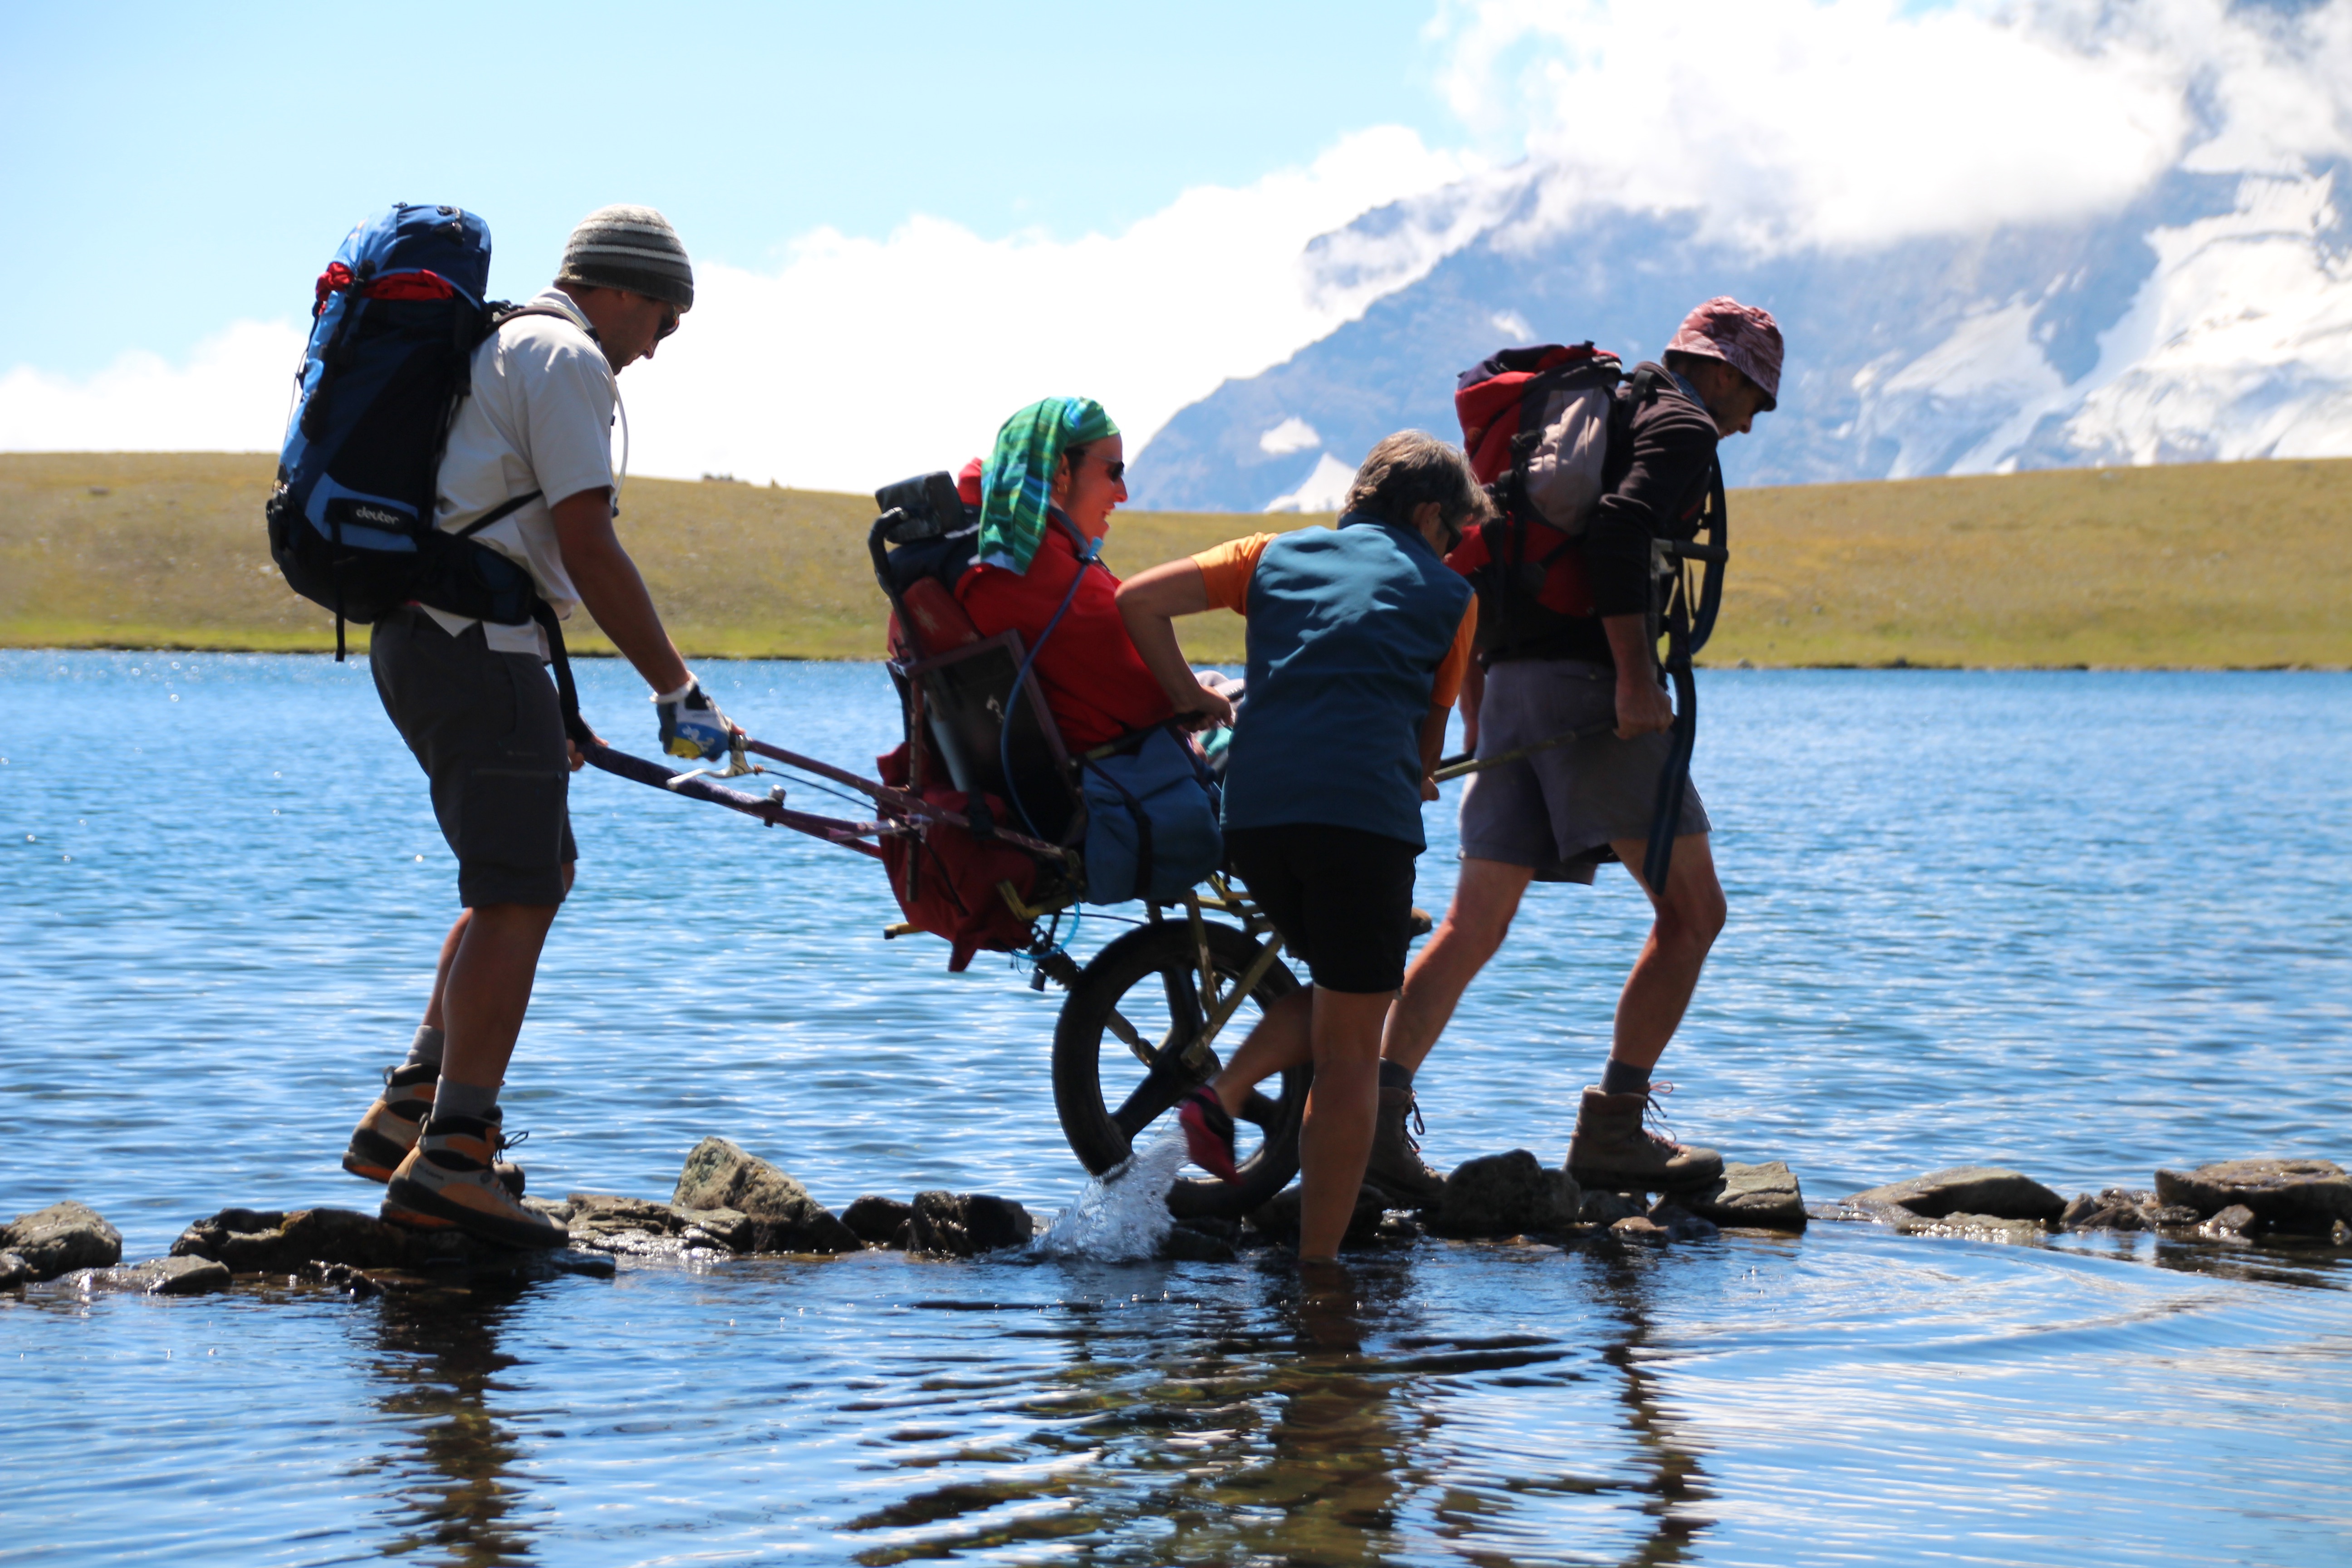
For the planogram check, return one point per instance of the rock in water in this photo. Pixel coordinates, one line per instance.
(2306, 1196)
(1277, 1219)
(1680, 1224)
(61, 1238)
(600, 1217)
(263, 1241)
(1608, 1208)
(1764, 1195)
(1503, 1195)
(719, 1175)
(1977, 1190)
(13, 1271)
(878, 1221)
(965, 1224)
(159, 1277)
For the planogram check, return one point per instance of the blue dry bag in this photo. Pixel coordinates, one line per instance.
(398, 316)
(1151, 820)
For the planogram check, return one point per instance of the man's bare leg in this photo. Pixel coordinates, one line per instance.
(1687, 920)
(1338, 1136)
(1484, 900)
(487, 989)
(433, 1019)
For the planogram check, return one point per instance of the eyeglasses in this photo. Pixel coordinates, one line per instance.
(669, 322)
(1118, 472)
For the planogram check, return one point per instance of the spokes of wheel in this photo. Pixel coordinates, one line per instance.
(1098, 1039)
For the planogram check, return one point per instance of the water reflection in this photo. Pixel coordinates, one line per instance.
(453, 1469)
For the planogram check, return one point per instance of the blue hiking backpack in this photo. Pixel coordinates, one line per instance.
(398, 316)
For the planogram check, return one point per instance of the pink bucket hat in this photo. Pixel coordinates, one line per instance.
(1744, 337)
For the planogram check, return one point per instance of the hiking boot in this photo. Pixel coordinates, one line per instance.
(1396, 1166)
(388, 1130)
(1611, 1151)
(448, 1180)
(1208, 1133)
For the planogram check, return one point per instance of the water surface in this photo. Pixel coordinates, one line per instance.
(2085, 924)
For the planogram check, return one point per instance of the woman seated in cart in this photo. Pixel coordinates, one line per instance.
(1358, 637)
(1046, 493)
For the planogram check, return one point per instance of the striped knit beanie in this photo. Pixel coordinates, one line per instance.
(629, 248)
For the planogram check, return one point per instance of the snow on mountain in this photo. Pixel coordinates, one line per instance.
(2209, 319)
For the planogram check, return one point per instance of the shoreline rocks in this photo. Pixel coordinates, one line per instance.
(1975, 1191)
(1503, 1195)
(57, 1240)
(1764, 1196)
(719, 1175)
(2304, 1197)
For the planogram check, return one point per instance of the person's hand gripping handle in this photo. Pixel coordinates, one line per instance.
(691, 724)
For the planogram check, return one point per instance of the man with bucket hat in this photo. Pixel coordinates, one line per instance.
(1560, 813)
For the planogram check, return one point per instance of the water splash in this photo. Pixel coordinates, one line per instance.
(1123, 1213)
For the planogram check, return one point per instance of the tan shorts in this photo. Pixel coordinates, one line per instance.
(1558, 811)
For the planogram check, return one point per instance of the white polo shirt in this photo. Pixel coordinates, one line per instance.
(539, 417)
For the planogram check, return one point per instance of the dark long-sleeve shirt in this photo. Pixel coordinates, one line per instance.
(1654, 486)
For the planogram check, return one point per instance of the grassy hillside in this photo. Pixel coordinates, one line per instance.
(2216, 565)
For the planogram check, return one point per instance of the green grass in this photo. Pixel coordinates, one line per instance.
(2245, 564)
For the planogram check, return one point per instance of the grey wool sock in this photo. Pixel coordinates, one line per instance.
(426, 1049)
(1395, 1075)
(1624, 1078)
(455, 1099)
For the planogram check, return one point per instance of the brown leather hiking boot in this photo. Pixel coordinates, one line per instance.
(448, 1180)
(1611, 1151)
(388, 1128)
(1396, 1165)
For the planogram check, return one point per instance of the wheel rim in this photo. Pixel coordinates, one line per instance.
(1159, 999)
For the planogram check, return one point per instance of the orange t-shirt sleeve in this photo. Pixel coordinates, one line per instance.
(1447, 688)
(1225, 569)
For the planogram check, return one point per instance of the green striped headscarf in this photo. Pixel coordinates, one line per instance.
(1017, 487)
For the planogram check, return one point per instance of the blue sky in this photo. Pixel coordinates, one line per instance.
(1137, 203)
(183, 166)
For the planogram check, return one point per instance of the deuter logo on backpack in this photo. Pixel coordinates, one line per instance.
(396, 318)
(1536, 424)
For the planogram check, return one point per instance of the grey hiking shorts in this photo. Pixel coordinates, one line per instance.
(1557, 811)
(488, 732)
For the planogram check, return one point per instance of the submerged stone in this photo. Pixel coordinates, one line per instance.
(1183, 1244)
(1608, 1208)
(719, 1175)
(1503, 1195)
(13, 1271)
(2307, 1196)
(1639, 1227)
(878, 1221)
(1977, 1190)
(1680, 1224)
(158, 1276)
(965, 1224)
(61, 1238)
(1766, 1196)
(2237, 1220)
(1277, 1219)
(1973, 1226)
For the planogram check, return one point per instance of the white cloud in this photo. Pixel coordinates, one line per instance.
(1293, 434)
(1847, 122)
(1323, 489)
(864, 361)
(231, 395)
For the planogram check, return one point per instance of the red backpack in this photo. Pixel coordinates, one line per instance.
(1536, 424)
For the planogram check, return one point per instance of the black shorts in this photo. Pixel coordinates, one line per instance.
(488, 732)
(1341, 898)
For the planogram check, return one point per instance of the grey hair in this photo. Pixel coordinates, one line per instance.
(1411, 466)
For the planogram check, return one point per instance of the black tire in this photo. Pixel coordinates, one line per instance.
(1162, 957)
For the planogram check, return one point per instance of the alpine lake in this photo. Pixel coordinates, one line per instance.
(2080, 924)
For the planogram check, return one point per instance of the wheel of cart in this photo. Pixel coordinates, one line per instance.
(1144, 1023)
